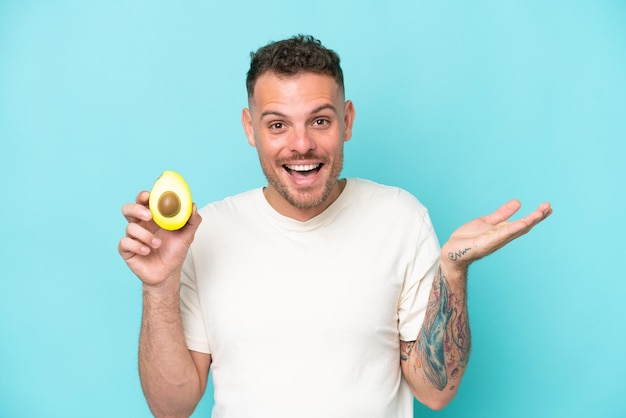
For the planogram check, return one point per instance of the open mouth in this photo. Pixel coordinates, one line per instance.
(302, 170)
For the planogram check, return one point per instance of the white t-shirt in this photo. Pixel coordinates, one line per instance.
(304, 319)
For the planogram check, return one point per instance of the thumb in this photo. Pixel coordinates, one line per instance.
(194, 220)
(188, 232)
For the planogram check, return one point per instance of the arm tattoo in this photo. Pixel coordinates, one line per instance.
(443, 342)
(406, 353)
(455, 256)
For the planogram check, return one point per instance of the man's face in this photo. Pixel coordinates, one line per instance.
(298, 125)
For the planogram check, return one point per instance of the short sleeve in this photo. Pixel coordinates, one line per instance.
(418, 280)
(191, 309)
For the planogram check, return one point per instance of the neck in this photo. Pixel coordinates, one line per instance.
(301, 214)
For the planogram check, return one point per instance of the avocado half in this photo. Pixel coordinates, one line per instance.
(170, 201)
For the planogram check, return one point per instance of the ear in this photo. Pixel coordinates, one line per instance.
(348, 120)
(246, 121)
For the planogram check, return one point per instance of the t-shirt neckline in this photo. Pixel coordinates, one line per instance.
(313, 223)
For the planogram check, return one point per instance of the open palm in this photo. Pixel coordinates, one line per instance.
(487, 234)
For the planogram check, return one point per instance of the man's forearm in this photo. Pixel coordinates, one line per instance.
(434, 363)
(168, 374)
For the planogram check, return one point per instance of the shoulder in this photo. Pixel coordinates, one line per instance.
(232, 209)
(227, 220)
(384, 197)
(232, 203)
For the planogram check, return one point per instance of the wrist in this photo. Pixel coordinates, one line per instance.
(453, 268)
(167, 288)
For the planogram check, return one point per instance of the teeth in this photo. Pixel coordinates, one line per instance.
(306, 167)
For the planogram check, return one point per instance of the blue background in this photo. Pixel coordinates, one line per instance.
(464, 104)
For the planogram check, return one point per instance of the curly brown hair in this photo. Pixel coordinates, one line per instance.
(298, 54)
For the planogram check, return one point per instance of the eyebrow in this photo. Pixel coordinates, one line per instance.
(314, 111)
(272, 113)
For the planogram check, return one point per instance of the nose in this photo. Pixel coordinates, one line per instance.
(301, 141)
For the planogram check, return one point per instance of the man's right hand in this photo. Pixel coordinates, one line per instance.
(152, 253)
(172, 377)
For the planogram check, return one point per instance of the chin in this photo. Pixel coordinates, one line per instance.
(306, 200)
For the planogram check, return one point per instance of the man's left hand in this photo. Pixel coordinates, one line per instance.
(485, 235)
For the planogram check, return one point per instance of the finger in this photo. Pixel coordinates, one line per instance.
(527, 223)
(542, 212)
(195, 219)
(503, 213)
(140, 234)
(142, 198)
(191, 227)
(134, 212)
(546, 208)
(128, 248)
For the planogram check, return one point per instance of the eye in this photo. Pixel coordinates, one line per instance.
(321, 122)
(276, 126)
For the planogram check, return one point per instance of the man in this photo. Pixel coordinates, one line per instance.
(314, 296)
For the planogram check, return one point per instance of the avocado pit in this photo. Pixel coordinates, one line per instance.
(169, 204)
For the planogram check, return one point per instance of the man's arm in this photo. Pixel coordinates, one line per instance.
(435, 362)
(172, 377)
